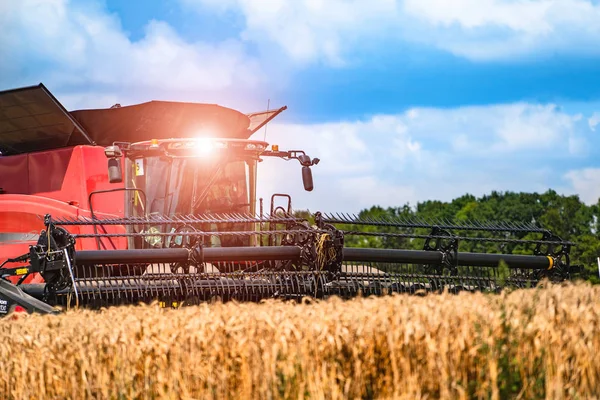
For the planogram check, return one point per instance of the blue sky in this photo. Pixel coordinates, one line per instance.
(403, 100)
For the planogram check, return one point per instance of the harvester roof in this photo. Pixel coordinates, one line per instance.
(32, 119)
(162, 120)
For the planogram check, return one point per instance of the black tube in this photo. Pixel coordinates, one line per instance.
(392, 256)
(36, 290)
(216, 254)
(434, 257)
(210, 254)
(86, 257)
(512, 260)
(251, 253)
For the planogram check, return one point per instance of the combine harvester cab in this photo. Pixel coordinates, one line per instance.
(158, 202)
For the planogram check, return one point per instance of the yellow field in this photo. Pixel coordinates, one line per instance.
(541, 343)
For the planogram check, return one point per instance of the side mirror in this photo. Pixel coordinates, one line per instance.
(115, 175)
(307, 179)
(113, 153)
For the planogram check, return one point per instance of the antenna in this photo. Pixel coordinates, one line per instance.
(268, 105)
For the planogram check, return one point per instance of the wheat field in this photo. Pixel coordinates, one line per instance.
(537, 343)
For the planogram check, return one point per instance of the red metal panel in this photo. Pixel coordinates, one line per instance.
(68, 175)
(56, 182)
(22, 219)
(22, 214)
(95, 167)
(52, 174)
(25, 214)
(14, 177)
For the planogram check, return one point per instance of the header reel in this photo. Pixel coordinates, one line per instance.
(292, 259)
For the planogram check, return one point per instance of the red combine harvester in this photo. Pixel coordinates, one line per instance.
(157, 201)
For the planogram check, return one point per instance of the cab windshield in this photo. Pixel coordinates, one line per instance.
(185, 186)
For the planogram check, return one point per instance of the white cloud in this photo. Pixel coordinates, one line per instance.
(82, 44)
(308, 29)
(355, 159)
(375, 191)
(586, 183)
(311, 30)
(497, 29)
(524, 16)
(525, 126)
(594, 120)
(428, 153)
(496, 129)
